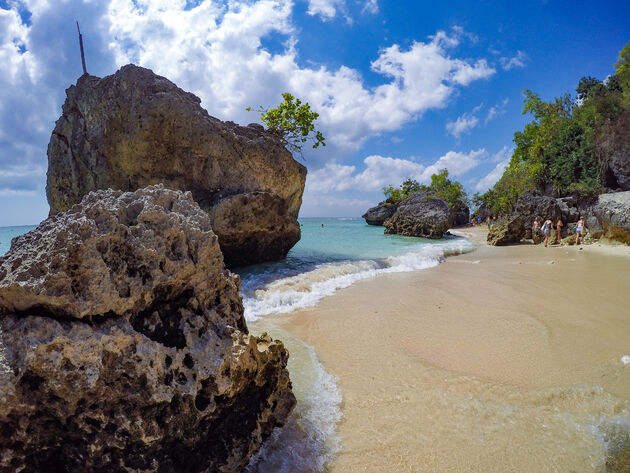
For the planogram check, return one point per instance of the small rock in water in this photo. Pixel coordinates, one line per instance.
(551, 262)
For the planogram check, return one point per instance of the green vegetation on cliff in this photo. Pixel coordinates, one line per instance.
(293, 120)
(451, 191)
(566, 147)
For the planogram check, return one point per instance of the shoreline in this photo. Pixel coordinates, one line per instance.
(429, 361)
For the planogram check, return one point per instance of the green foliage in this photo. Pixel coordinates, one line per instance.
(558, 150)
(396, 194)
(293, 120)
(585, 85)
(441, 185)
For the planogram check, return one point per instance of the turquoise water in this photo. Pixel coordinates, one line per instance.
(8, 233)
(333, 253)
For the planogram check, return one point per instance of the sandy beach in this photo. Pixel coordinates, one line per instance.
(505, 359)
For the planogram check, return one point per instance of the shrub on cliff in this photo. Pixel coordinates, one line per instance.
(293, 120)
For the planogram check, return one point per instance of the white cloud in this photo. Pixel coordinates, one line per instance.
(463, 124)
(326, 9)
(371, 6)
(496, 110)
(519, 61)
(382, 171)
(493, 176)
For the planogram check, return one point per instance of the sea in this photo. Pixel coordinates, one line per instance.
(333, 253)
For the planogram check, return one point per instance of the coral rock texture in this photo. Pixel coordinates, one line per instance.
(123, 346)
(134, 128)
(420, 215)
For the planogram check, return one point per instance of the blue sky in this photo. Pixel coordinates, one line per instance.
(403, 88)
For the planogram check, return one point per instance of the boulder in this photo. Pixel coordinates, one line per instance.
(612, 212)
(460, 216)
(377, 215)
(123, 346)
(510, 229)
(134, 128)
(422, 214)
(533, 203)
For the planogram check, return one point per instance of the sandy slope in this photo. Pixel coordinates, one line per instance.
(501, 360)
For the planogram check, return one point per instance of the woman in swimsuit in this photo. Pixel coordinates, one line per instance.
(546, 228)
(579, 230)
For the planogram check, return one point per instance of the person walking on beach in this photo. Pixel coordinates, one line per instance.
(559, 226)
(579, 231)
(489, 223)
(546, 229)
(535, 225)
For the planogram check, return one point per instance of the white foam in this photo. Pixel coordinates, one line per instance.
(625, 359)
(287, 294)
(308, 440)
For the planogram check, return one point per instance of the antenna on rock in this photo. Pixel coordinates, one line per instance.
(81, 46)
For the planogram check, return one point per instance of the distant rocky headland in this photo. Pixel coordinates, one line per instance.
(134, 128)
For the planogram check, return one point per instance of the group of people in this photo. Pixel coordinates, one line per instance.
(547, 226)
(489, 221)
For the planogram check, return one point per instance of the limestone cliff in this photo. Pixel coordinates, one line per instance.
(134, 128)
(123, 346)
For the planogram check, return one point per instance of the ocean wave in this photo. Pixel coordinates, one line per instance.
(276, 292)
(308, 440)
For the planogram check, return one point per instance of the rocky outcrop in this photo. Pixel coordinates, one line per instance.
(510, 229)
(460, 216)
(123, 346)
(377, 215)
(420, 215)
(612, 214)
(612, 145)
(135, 128)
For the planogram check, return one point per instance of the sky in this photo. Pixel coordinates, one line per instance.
(403, 88)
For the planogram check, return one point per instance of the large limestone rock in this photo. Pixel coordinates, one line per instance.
(460, 215)
(135, 128)
(123, 346)
(510, 229)
(378, 214)
(420, 215)
(612, 213)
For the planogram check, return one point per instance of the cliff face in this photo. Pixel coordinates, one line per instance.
(134, 128)
(123, 346)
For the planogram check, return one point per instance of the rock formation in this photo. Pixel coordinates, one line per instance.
(123, 346)
(611, 217)
(460, 215)
(420, 215)
(377, 215)
(135, 128)
(508, 230)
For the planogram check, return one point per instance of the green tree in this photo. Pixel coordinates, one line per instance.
(452, 192)
(293, 121)
(585, 85)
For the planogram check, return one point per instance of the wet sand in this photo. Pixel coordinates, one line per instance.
(501, 360)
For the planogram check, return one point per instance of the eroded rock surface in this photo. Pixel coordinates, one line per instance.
(134, 128)
(612, 214)
(123, 346)
(378, 214)
(420, 215)
(510, 229)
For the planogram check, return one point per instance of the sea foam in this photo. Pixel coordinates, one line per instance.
(276, 292)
